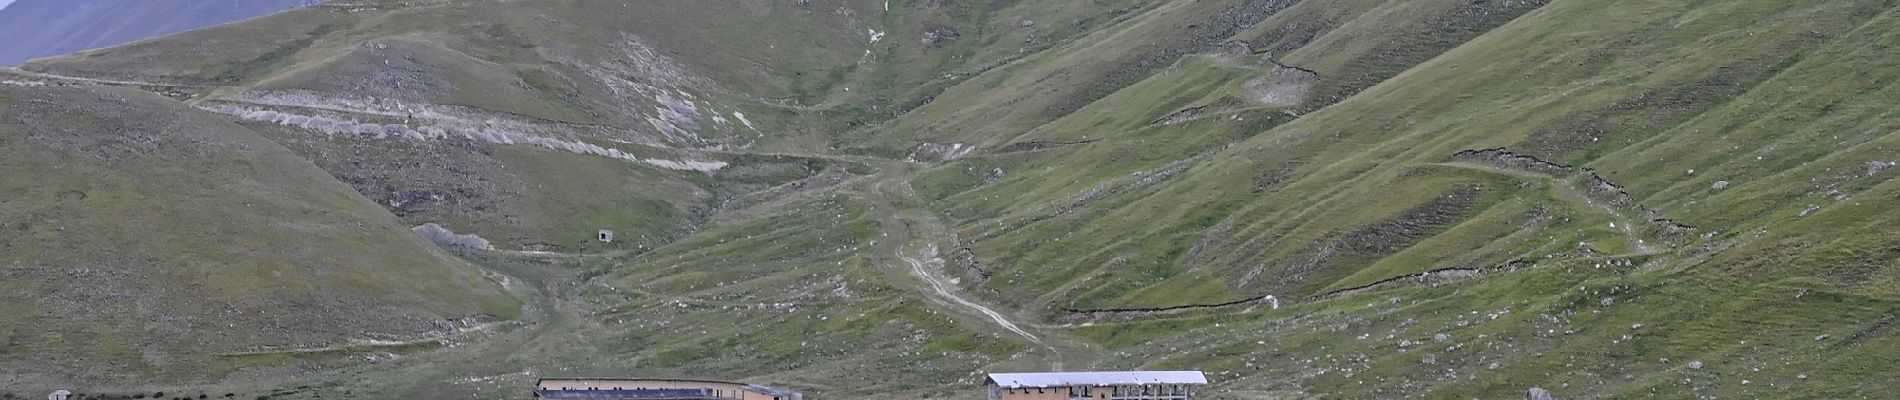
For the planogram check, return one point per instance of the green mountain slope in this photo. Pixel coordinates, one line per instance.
(1335, 199)
(145, 240)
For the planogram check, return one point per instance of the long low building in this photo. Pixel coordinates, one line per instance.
(656, 389)
(1117, 385)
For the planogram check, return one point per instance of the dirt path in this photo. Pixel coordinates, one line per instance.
(942, 286)
(910, 236)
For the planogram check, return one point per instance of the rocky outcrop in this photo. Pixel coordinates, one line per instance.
(940, 36)
(440, 129)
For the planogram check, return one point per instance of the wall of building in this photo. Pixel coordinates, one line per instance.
(733, 390)
(1098, 393)
(1034, 394)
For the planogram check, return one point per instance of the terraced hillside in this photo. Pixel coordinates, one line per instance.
(1305, 198)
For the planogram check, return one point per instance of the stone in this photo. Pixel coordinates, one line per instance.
(1695, 365)
(1607, 301)
(1719, 185)
(1537, 394)
(1876, 167)
(1441, 337)
(940, 36)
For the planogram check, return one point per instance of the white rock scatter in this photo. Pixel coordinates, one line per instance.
(444, 236)
(426, 131)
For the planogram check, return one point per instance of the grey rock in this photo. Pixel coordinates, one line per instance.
(1441, 337)
(994, 175)
(1537, 394)
(1719, 185)
(1607, 301)
(1695, 365)
(1876, 167)
(939, 36)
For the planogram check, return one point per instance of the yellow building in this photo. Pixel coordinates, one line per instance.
(656, 389)
(1121, 385)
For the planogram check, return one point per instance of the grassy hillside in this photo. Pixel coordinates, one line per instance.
(1335, 199)
(145, 240)
(1620, 146)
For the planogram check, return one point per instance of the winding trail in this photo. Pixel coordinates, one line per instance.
(910, 237)
(942, 287)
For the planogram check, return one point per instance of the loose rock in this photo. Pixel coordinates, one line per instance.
(937, 37)
(1537, 394)
(1876, 167)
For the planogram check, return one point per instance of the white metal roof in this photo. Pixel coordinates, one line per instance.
(1060, 379)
